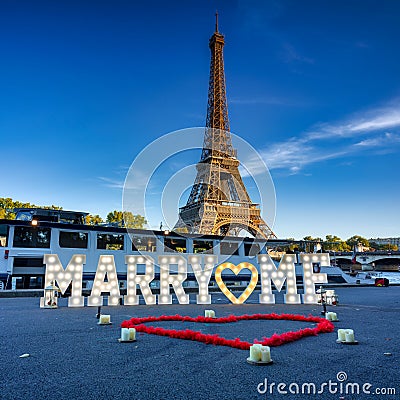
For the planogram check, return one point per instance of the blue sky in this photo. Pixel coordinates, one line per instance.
(313, 85)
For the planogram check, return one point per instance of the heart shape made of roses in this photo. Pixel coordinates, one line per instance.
(236, 269)
(323, 326)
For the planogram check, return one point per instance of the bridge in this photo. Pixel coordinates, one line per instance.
(368, 261)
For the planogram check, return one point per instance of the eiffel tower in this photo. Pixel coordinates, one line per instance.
(219, 203)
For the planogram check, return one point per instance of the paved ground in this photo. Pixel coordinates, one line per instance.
(74, 358)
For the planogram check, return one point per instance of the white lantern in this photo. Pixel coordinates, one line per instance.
(51, 296)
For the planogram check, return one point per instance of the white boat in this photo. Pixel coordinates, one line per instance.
(368, 277)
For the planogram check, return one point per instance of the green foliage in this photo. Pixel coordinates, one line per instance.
(337, 245)
(93, 219)
(389, 246)
(115, 217)
(386, 246)
(136, 221)
(357, 239)
(308, 247)
(119, 218)
(7, 206)
(311, 239)
(126, 219)
(293, 247)
(333, 238)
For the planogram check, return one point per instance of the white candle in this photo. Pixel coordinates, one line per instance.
(328, 316)
(334, 317)
(124, 334)
(255, 352)
(265, 354)
(349, 335)
(132, 334)
(206, 313)
(104, 319)
(341, 334)
(212, 313)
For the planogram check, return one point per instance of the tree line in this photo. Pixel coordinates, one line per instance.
(335, 243)
(128, 220)
(116, 218)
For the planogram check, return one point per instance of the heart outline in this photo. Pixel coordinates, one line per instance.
(236, 269)
(323, 326)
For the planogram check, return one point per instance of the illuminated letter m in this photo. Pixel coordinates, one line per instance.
(56, 273)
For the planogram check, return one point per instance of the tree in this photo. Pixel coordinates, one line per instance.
(384, 246)
(389, 246)
(293, 247)
(354, 240)
(93, 219)
(126, 219)
(115, 217)
(335, 243)
(308, 247)
(7, 206)
(136, 221)
(119, 218)
(311, 239)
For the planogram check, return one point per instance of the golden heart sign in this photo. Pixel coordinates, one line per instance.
(236, 269)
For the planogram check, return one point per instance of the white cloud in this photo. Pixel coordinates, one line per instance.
(136, 180)
(372, 120)
(291, 155)
(314, 146)
(294, 156)
(112, 183)
(383, 140)
(387, 119)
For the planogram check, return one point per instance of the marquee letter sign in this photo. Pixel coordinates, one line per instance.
(236, 269)
(203, 266)
(73, 273)
(166, 279)
(105, 268)
(133, 279)
(285, 271)
(203, 276)
(310, 278)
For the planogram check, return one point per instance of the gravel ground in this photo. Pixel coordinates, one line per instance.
(71, 357)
